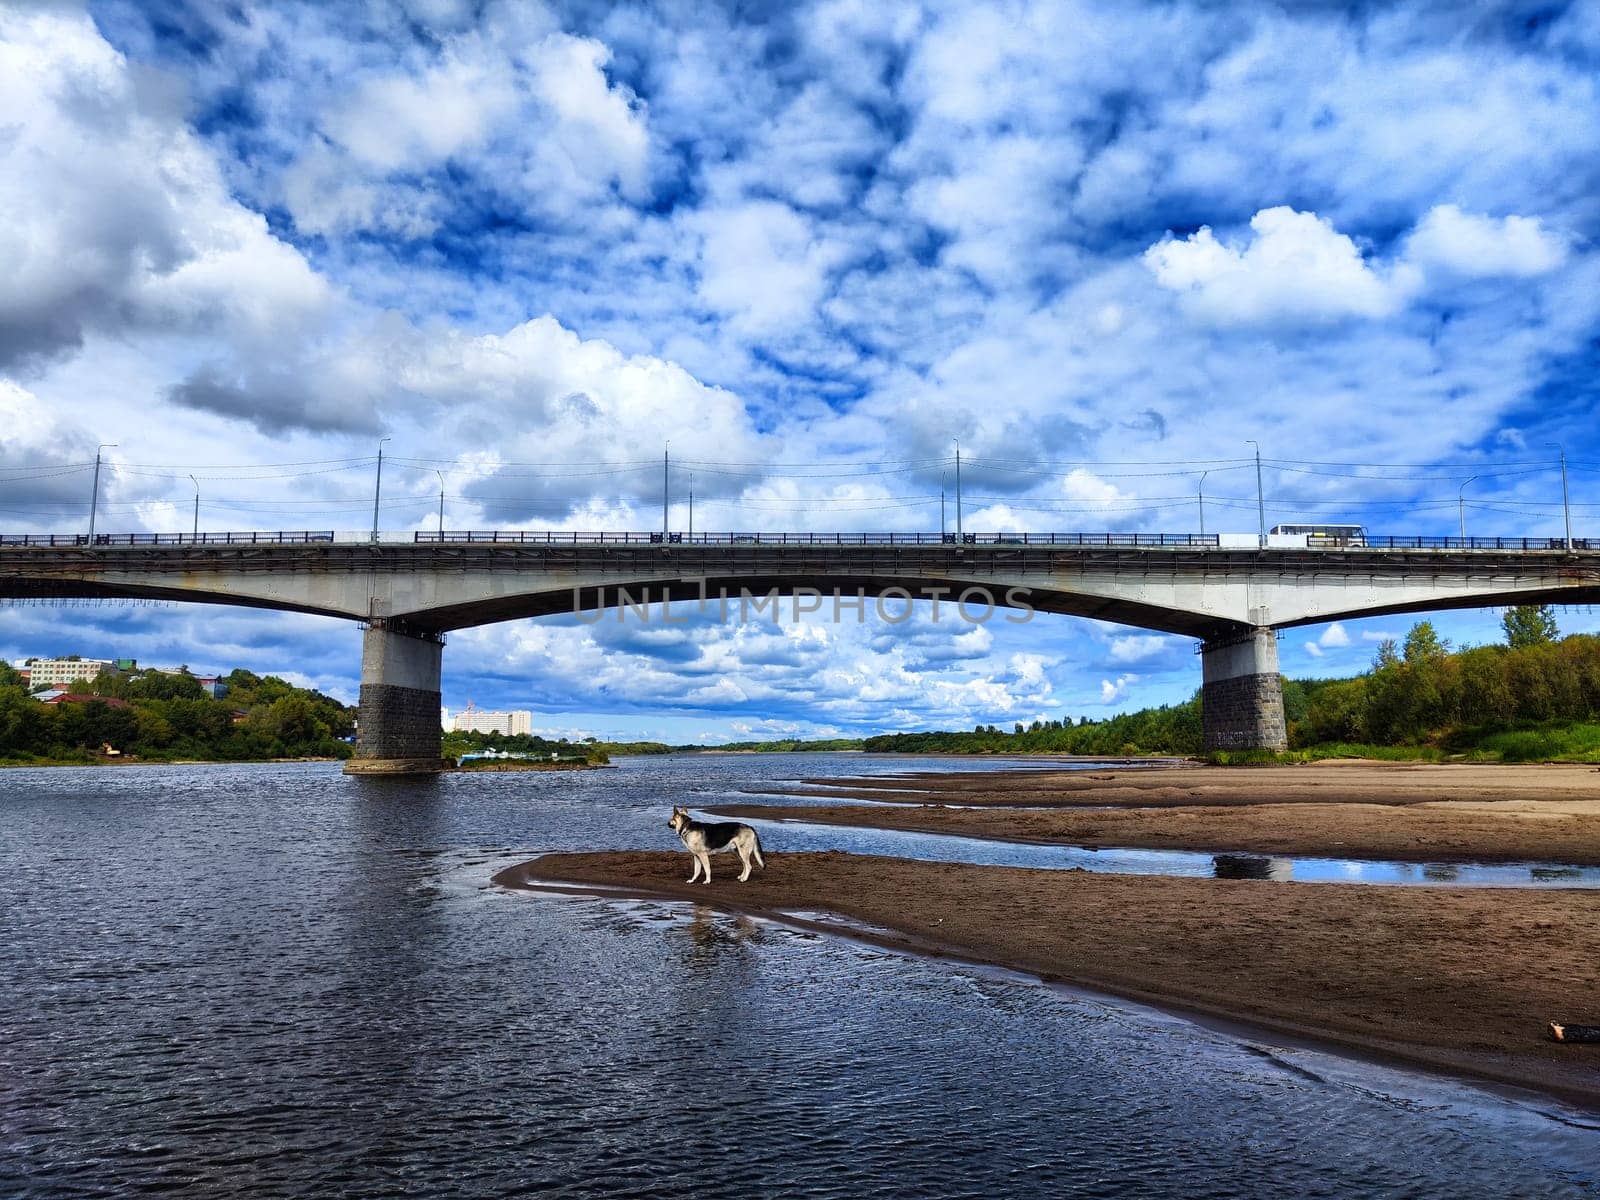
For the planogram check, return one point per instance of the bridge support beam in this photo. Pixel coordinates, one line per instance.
(397, 728)
(1241, 698)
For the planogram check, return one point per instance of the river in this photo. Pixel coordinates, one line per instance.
(271, 980)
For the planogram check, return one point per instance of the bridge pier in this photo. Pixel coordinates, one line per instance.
(397, 727)
(1241, 696)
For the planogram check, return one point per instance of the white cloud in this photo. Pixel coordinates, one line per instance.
(1314, 650)
(531, 107)
(415, 121)
(1137, 647)
(1333, 636)
(118, 220)
(1297, 267)
(1113, 692)
(1471, 246)
(600, 125)
(763, 266)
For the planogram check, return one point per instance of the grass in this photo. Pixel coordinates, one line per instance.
(1579, 742)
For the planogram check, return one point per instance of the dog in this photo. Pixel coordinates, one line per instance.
(703, 839)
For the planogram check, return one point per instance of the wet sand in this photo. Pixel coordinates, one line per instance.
(1453, 978)
(1337, 810)
(1433, 832)
(1349, 781)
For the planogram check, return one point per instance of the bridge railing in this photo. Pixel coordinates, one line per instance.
(522, 537)
(1471, 543)
(299, 537)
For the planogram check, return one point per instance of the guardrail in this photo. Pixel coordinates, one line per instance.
(248, 538)
(1469, 543)
(521, 537)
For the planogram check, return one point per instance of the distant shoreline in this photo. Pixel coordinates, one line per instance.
(492, 766)
(163, 762)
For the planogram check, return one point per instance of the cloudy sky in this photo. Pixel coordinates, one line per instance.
(811, 246)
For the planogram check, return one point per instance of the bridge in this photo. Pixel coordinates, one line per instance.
(1230, 593)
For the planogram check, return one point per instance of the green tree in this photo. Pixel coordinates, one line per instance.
(1424, 644)
(1529, 625)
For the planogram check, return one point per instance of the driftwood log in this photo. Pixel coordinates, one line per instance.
(1562, 1032)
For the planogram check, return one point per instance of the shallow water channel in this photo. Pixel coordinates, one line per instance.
(273, 980)
(1204, 864)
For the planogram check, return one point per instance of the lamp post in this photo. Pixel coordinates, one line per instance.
(1566, 508)
(196, 482)
(1461, 506)
(377, 491)
(440, 474)
(691, 506)
(1261, 497)
(94, 492)
(1202, 491)
(666, 486)
(958, 491)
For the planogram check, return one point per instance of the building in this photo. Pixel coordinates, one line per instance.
(45, 671)
(477, 720)
(63, 697)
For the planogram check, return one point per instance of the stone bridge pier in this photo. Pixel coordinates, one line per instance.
(398, 730)
(1241, 696)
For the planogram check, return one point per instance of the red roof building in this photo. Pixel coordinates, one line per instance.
(81, 698)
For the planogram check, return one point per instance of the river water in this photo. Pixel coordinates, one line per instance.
(273, 980)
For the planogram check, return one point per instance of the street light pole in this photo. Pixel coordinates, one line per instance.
(1566, 508)
(94, 493)
(1461, 506)
(377, 491)
(1202, 489)
(958, 491)
(666, 486)
(196, 483)
(440, 474)
(691, 506)
(1261, 497)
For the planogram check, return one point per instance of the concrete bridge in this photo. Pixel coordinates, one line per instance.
(1230, 597)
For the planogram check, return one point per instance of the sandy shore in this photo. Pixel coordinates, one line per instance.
(1452, 978)
(1340, 810)
(1333, 781)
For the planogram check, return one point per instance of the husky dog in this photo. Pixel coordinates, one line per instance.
(702, 840)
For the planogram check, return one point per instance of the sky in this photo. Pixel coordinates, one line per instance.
(810, 247)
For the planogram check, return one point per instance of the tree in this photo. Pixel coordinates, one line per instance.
(1529, 625)
(1423, 643)
(1387, 656)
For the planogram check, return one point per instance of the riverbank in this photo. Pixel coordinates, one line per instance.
(1449, 978)
(1339, 810)
(495, 765)
(1134, 784)
(158, 762)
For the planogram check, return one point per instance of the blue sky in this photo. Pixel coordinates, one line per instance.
(812, 246)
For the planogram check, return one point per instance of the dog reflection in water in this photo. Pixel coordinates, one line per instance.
(702, 839)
